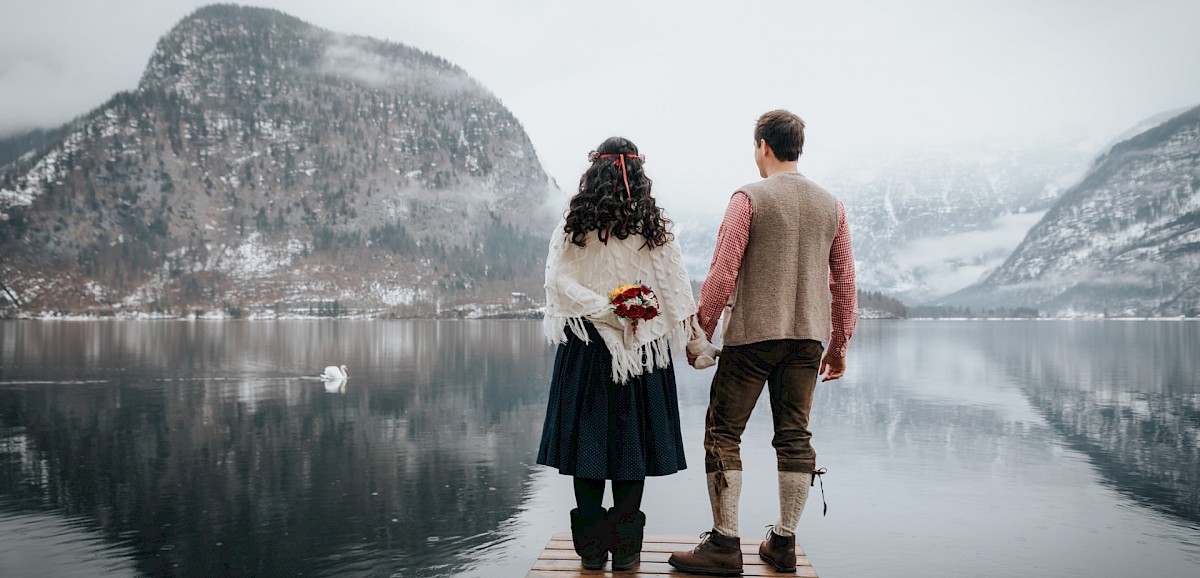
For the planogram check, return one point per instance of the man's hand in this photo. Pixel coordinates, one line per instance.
(691, 358)
(831, 367)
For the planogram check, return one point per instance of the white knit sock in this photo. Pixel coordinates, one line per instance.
(724, 500)
(793, 493)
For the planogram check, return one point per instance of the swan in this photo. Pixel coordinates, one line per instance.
(335, 372)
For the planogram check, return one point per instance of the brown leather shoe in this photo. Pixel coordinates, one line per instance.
(778, 551)
(716, 555)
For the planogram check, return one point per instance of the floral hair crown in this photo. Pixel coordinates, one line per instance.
(594, 156)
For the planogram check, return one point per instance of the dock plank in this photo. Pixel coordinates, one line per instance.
(558, 559)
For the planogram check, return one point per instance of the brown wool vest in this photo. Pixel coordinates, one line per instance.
(782, 289)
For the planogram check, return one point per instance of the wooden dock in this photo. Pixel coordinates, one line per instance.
(559, 559)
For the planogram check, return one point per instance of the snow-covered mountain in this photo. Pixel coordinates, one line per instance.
(928, 222)
(265, 162)
(1124, 241)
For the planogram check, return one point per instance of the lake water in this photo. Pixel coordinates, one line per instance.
(1052, 448)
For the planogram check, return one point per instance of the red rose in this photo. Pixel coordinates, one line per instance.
(622, 310)
(630, 292)
(649, 313)
(645, 290)
(635, 311)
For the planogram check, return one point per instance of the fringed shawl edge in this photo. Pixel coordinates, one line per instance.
(627, 363)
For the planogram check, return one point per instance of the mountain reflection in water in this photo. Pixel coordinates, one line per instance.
(1124, 394)
(954, 449)
(201, 449)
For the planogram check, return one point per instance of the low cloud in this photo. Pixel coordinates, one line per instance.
(952, 262)
(357, 59)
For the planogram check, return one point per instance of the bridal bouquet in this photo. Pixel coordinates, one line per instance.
(632, 303)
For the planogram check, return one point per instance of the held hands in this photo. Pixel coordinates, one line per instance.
(701, 354)
(832, 367)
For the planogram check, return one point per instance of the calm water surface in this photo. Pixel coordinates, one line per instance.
(953, 448)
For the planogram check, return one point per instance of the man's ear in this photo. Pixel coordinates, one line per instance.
(767, 152)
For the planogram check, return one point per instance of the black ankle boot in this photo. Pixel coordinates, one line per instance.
(592, 534)
(627, 530)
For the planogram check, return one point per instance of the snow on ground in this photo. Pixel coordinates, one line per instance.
(96, 290)
(253, 258)
(868, 313)
(145, 294)
(396, 295)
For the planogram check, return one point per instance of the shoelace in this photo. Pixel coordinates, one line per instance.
(704, 538)
(817, 476)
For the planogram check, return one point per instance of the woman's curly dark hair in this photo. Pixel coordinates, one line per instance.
(601, 204)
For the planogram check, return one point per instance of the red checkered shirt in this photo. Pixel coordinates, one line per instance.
(732, 238)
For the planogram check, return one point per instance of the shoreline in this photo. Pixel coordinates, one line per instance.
(474, 315)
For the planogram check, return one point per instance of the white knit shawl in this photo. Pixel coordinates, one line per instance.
(579, 280)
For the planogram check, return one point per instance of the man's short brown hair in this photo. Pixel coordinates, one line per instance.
(784, 133)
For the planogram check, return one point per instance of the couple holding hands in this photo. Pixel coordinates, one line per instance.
(617, 296)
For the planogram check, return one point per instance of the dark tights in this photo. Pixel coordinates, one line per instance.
(627, 494)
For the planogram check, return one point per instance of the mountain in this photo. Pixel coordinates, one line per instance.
(929, 221)
(1124, 241)
(268, 165)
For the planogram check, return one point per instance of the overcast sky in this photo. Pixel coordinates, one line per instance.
(685, 79)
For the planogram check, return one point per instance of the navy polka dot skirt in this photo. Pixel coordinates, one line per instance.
(603, 430)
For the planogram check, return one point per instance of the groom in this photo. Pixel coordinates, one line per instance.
(783, 273)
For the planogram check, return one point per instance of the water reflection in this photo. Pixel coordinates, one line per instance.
(51, 545)
(943, 462)
(954, 449)
(336, 385)
(1127, 395)
(204, 449)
